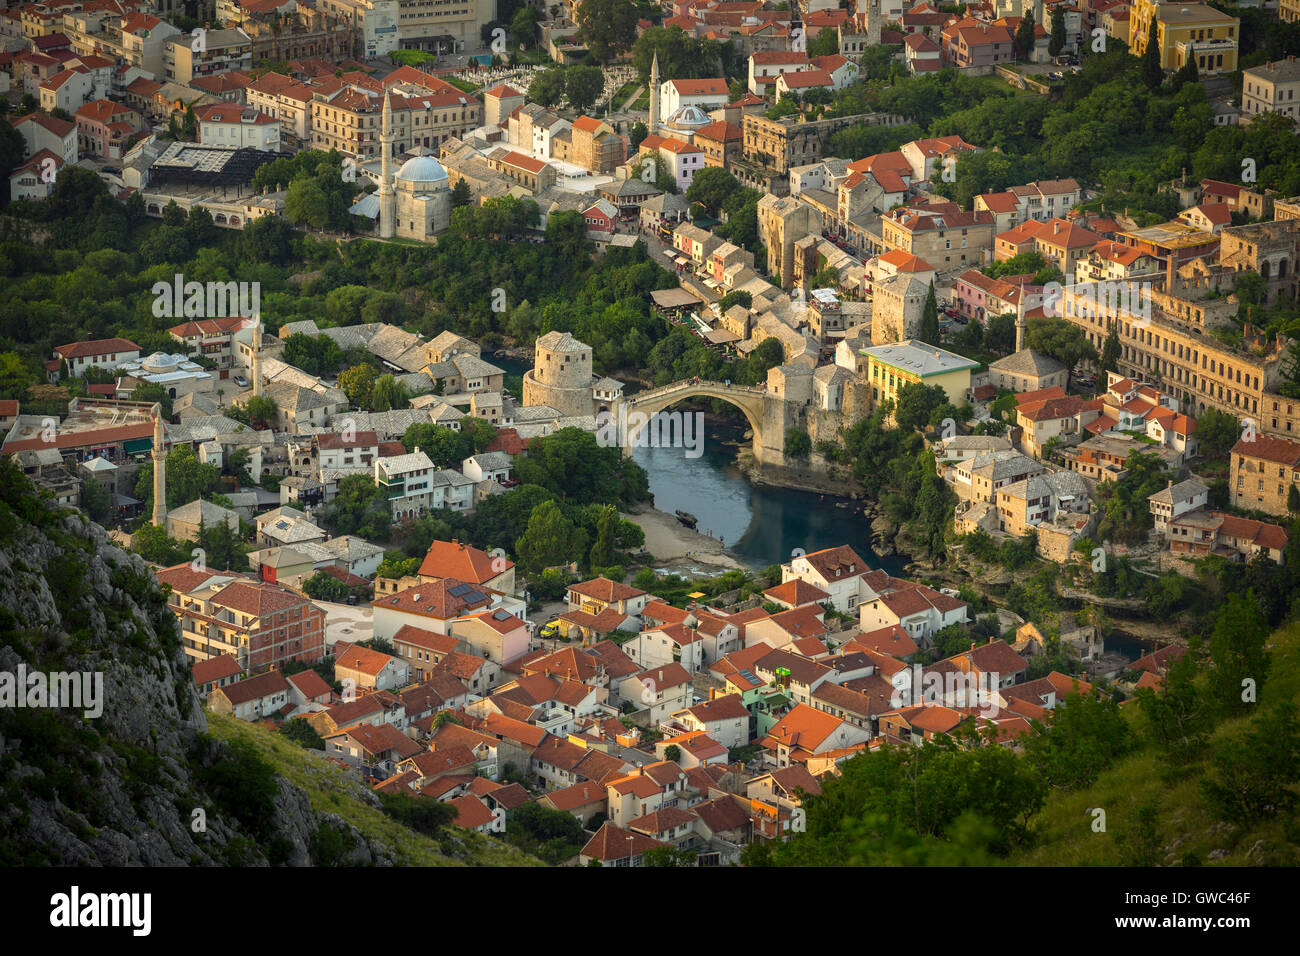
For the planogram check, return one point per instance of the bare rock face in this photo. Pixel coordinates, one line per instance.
(122, 788)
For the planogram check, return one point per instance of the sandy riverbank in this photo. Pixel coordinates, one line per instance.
(677, 546)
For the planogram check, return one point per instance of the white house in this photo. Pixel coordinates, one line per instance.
(706, 94)
(238, 126)
(1176, 500)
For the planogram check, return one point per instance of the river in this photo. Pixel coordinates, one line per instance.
(760, 525)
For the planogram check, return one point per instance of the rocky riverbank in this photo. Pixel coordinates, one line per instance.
(670, 544)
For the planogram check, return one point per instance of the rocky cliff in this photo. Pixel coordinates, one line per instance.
(143, 783)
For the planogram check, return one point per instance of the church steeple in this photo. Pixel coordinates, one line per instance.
(387, 201)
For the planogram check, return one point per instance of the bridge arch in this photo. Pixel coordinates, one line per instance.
(765, 413)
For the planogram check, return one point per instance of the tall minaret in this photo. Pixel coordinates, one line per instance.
(257, 356)
(387, 201)
(654, 94)
(1020, 320)
(159, 471)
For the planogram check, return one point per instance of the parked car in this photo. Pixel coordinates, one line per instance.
(241, 381)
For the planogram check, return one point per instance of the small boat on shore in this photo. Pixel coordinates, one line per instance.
(687, 518)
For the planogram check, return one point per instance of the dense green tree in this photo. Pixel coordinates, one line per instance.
(1062, 340)
(357, 383)
(1237, 650)
(930, 318)
(915, 403)
(550, 539)
(547, 87)
(359, 508)
(582, 85)
(1056, 37)
(388, 393)
(1217, 432)
(1254, 770)
(608, 27)
(188, 478)
(1153, 73)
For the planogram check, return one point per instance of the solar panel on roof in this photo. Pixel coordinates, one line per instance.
(458, 589)
(502, 615)
(748, 676)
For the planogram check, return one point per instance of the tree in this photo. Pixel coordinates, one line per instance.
(1024, 39)
(1056, 41)
(1186, 74)
(930, 318)
(356, 383)
(97, 505)
(1238, 653)
(1217, 432)
(1253, 772)
(1153, 73)
(153, 392)
(389, 393)
(668, 856)
(826, 43)
(523, 25)
(636, 134)
(303, 734)
(608, 27)
(915, 404)
(797, 443)
(735, 296)
(396, 565)
(1111, 350)
(360, 508)
(550, 539)
(547, 87)
(672, 752)
(15, 376)
(1175, 713)
(222, 548)
(188, 478)
(1000, 333)
(325, 587)
(152, 543)
(710, 187)
(1062, 340)
(582, 84)
(261, 410)
(461, 194)
(602, 552)
(446, 447)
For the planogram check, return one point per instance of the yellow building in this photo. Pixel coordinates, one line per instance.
(890, 367)
(1186, 31)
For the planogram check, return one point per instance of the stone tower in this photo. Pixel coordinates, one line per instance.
(561, 375)
(874, 22)
(387, 199)
(654, 94)
(159, 470)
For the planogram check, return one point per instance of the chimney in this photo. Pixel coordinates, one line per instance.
(972, 645)
(1169, 274)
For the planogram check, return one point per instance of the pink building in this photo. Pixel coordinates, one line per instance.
(104, 129)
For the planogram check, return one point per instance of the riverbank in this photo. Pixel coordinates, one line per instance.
(673, 545)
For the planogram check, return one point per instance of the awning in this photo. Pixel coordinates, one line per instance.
(674, 298)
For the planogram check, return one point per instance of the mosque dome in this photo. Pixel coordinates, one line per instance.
(159, 362)
(422, 170)
(689, 117)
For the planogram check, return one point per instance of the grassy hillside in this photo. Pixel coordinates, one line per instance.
(1183, 833)
(330, 790)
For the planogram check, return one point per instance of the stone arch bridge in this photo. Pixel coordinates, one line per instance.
(768, 415)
